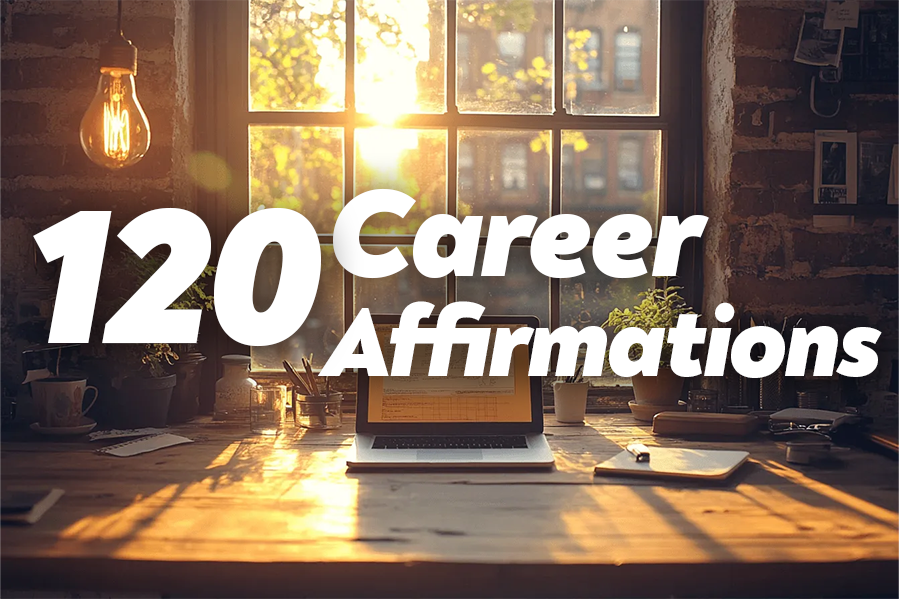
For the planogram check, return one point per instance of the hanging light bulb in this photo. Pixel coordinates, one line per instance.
(114, 131)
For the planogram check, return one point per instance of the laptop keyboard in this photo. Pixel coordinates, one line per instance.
(451, 442)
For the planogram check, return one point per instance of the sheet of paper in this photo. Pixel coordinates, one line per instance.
(125, 433)
(144, 445)
(840, 14)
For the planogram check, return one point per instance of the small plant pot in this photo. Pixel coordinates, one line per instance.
(570, 400)
(143, 402)
(664, 389)
(186, 395)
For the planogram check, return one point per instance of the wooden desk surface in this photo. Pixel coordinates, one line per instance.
(236, 514)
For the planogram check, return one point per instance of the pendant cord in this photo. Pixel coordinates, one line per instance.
(121, 33)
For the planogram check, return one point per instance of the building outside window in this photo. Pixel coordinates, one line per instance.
(630, 164)
(628, 53)
(515, 167)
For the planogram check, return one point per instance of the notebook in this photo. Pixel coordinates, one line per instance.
(144, 445)
(671, 462)
(27, 506)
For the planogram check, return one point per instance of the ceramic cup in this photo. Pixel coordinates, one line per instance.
(59, 400)
(570, 401)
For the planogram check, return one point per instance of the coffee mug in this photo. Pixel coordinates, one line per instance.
(59, 400)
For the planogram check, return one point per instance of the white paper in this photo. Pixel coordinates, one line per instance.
(124, 433)
(840, 14)
(145, 445)
(36, 375)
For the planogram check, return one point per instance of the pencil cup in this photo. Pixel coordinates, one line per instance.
(322, 412)
(570, 401)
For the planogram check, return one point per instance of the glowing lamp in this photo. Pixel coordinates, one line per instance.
(114, 131)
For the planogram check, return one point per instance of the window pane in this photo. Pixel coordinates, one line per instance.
(588, 299)
(412, 161)
(400, 47)
(503, 173)
(504, 56)
(300, 168)
(324, 326)
(297, 55)
(605, 173)
(390, 295)
(523, 291)
(612, 57)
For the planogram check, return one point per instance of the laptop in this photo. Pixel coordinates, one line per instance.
(454, 421)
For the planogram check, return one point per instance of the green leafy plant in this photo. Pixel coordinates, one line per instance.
(156, 356)
(659, 308)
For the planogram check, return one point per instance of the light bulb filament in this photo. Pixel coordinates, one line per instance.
(116, 123)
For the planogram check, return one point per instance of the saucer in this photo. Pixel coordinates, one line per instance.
(646, 412)
(86, 426)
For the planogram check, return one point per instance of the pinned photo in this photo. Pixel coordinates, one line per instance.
(818, 46)
(835, 167)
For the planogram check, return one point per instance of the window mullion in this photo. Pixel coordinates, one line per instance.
(452, 130)
(555, 287)
(349, 154)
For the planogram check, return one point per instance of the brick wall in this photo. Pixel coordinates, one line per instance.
(765, 252)
(49, 74)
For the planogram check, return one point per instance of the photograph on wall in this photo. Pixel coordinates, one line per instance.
(874, 161)
(835, 167)
(818, 46)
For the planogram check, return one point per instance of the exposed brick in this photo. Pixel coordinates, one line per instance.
(773, 168)
(125, 205)
(71, 160)
(62, 31)
(757, 247)
(827, 250)
(31, 73)
(766, 28)
(755, 119)
(856, 290)
(752, 70)
(22, 118)
(749, 201)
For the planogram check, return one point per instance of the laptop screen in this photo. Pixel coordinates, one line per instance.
(454, 398)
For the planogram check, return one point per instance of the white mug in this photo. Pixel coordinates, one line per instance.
(570, 400)
(59, 400)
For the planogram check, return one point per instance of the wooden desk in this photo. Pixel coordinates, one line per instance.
(234, 514)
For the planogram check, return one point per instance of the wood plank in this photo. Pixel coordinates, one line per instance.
(236, 499)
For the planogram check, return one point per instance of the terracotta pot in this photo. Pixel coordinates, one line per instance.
(186, 395)
(663, 389)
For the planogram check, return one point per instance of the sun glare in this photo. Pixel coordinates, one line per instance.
(387, 58)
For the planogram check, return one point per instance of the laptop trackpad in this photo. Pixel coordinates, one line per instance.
(449, 455)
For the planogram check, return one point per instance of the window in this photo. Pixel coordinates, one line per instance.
(515, 167)
(464, 107)
(630, 164)
(628, 56)
(585, 58)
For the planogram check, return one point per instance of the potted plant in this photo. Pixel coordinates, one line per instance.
(570, 398)
(141, 398)
(188, 360)
(658, 308)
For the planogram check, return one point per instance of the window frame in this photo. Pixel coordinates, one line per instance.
(223, 118)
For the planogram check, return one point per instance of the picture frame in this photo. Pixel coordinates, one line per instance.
(836, 167)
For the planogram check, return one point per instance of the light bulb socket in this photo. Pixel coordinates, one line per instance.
(119, 53)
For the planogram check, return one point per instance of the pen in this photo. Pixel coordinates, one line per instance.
(640, 451)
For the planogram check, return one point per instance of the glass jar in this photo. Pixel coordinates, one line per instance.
(267, 409)
(322, 412)
(234, 390)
